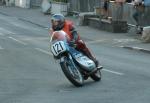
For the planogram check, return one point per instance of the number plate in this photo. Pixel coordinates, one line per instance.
(58, 47)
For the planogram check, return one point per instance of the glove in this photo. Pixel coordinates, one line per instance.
(72, 43)
(74, 35)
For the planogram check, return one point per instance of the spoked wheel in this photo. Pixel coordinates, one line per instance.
(96, 76)
(72, 73)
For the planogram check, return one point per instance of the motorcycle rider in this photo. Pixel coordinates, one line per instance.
(59, 22)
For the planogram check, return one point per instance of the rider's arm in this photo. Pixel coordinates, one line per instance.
(74, 33)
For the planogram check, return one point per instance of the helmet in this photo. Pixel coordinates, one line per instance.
(58, 18)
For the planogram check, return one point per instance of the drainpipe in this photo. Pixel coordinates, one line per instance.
(100, 3)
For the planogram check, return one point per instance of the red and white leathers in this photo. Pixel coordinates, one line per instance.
(69, 29)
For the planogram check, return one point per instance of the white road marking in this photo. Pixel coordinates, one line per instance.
(111, 40)
(49, 53)
(44, 51)
(95, 41)
(124, 40)
(134, 48)
(114, 72)
(102, 40)
(6, 31)
(1, 47)
(35, 38)
(1, 34)
(18, 41)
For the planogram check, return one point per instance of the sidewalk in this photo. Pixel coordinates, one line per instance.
(36, 17)
(143, 47)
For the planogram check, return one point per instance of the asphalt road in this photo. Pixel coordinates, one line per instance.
(29, 74)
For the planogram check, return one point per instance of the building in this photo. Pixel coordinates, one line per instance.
(22, 3)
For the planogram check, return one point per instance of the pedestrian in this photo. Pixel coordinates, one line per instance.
(137, 15)
(7, 2)
(106, 9)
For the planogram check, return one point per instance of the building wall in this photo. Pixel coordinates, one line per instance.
(35, 3)
(28, 3)
(61, 8)
(127, 14)
(83, 5)
(22, 3)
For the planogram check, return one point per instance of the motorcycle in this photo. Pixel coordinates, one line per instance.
(76, 66)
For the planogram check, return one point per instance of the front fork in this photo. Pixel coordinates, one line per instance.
(70, 60)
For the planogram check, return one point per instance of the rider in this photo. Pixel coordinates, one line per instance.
(59, 23)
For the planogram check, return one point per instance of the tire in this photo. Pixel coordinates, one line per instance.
(96, 76)
(72, 73)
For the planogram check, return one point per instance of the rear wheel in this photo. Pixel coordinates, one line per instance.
(72, 72)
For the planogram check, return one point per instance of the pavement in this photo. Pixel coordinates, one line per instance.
(36, 17)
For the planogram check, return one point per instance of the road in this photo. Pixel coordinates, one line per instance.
(29, 74)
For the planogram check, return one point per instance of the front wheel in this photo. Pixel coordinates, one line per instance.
(72, 72)
(96, 76)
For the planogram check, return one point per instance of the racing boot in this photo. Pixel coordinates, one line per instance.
(98, 66)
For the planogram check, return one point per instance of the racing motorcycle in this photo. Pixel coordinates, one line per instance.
(76, 66)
